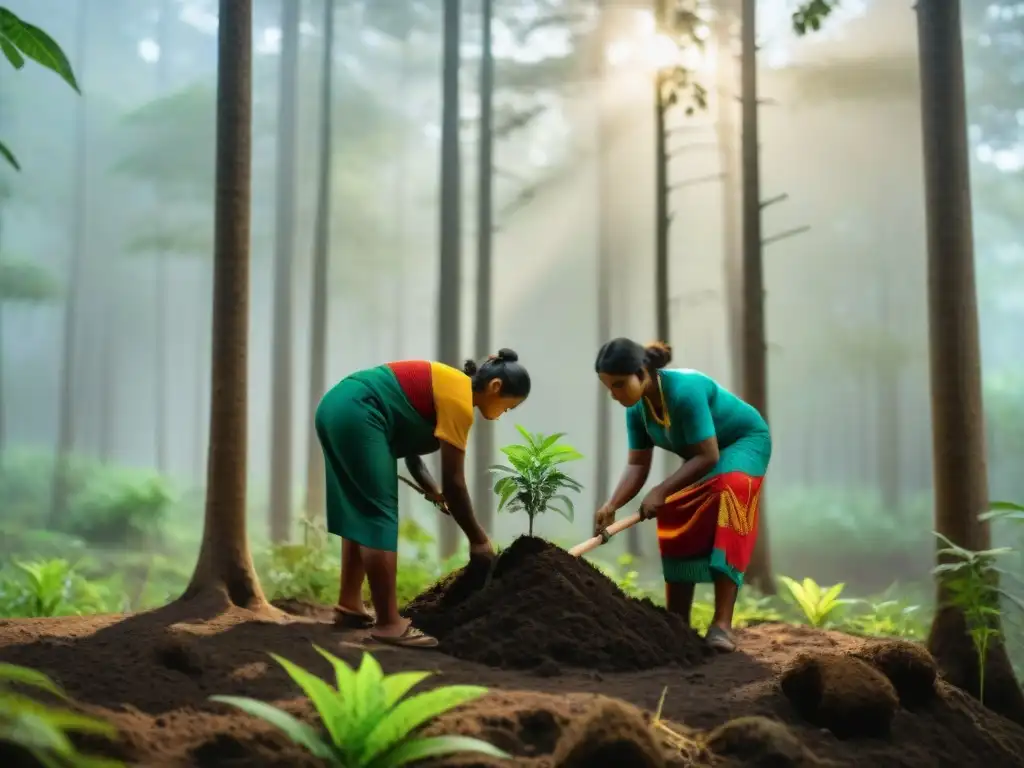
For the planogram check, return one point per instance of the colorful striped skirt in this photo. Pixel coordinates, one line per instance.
(710, 528)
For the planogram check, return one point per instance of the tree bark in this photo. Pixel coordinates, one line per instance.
(483, 440)
(66, 406)
(224, 568)
(755, 359)
(315, 480)
(661, 270)
(958, 443)
(449, 311)
(284, 251)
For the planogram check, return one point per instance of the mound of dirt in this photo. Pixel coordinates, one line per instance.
(842, 693)
(542, 608)
(909, 667)
(613, 734)
(758, 742)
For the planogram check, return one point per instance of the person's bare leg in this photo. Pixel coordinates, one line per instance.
(353, 574)
(381, 569)
(679, 599)
(726, 591)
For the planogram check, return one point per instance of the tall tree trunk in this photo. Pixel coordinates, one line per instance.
(602, 452)
(661, 223)
(224, 568)
(66, 406)
(401, 201)
(161, 266)
(483, 440)
(725, 127)
(284, 250)
(755, 358)
(449, 298)
(315, 480)
(958, 431)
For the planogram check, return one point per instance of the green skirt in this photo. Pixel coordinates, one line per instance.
(360, 467)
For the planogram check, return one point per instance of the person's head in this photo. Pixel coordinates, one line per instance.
(627, 368)
(500, 383)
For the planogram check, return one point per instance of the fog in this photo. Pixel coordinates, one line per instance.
(119, 182)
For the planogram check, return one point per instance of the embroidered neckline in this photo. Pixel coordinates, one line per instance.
(649, 407)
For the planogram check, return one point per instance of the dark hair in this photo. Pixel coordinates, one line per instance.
(624, 357)
(505, 367)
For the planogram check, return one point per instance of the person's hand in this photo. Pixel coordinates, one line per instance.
(654, 499)
(604, 517)
(436, 498)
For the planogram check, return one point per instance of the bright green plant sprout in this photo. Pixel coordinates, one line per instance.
(817, 603)
(534, 482)
(887, 618)
(20, 40)
(370, 722)
(41, 730)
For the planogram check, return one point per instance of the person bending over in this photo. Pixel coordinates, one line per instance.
(402, 410)
(707, 510)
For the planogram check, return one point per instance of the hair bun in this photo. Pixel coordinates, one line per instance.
(507, 355)
(469, 367)
(657, 354)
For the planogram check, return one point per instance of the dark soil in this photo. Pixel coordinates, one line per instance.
(543, 608)
(152, 674)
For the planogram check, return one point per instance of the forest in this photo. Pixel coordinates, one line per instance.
(813, 202)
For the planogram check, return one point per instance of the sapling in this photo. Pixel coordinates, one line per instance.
(534, 482)
(817, 603)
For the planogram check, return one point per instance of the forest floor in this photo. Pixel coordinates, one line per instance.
(151, 675)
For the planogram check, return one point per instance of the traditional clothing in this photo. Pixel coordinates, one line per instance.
(374, 417)
(710, 527)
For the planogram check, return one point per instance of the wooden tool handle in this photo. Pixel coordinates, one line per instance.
(611, 530)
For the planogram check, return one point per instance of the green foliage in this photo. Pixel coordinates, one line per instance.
(370, 722)
(887, 618)
(26, 281)
(1004, 510)
(817, 603)
(306, 571)
(55, 587)
(809, 16)
(20, 40)
(41, 730)
(534, 482)
(971, 581)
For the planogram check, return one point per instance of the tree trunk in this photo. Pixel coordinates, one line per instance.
(450, 279)
(284, 250)
(315, 480)
(66, 406)
(224, 569)
(661, 271)
(483, 440)
(726, 130)
(755, 362)
(602, 452)
(958, 431)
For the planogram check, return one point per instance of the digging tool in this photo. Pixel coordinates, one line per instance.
(605, 535)
(439, 504)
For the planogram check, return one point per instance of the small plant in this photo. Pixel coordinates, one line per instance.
(1004, 510)
(42, 731)
(534, 482)
(817, 603)
(887, 618)
(307, 571)
(971, 581)
(369, 721)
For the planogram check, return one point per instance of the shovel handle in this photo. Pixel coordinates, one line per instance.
(611, 530)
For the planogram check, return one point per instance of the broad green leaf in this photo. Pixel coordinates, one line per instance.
(78, 723)
(36, 45)
(436, 746)
(32, 730)
(302, 734)
(399, 684)
(550, 440)
(413, 712)
(12, 673)
(9, 157)
(1006, 506)
(324, 697)
(369, 694)
(12, 53)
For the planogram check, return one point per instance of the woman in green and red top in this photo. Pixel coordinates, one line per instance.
(396, 411)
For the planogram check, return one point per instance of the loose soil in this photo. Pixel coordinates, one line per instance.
(777, 702)
(541, 608)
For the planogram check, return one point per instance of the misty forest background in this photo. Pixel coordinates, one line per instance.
(106, 270)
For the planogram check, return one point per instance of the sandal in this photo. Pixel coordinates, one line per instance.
(720, 640)
(411, 638)
(346, 619)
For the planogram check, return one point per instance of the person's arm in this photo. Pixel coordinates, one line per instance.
(456, 494)
(421, 475)
(703, 458)
(638, 467)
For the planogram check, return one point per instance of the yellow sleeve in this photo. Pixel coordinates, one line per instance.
(453, 404)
